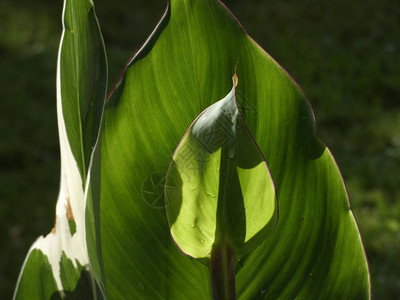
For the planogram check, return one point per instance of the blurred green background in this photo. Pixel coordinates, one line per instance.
(344, 54)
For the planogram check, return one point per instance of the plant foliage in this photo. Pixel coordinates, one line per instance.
(111, 238)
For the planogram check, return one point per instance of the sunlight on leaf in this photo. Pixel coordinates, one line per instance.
(225, 190)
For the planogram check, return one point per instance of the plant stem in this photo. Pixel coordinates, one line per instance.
(223, 273)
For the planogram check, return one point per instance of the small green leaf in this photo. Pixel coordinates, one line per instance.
(224, 191)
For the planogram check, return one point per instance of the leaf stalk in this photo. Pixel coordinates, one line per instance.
(223, 273)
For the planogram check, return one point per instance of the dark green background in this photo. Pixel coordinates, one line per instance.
(344, 54)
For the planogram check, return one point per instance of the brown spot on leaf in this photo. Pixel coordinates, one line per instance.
(70, 215)
(53, 230)
(70, 218)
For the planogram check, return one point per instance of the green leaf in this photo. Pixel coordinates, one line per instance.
(83, 79)
(184, 67)
(218, 187)
(67, 259)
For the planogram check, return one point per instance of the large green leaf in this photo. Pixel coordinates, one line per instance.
(59, 264)
(184, 67)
